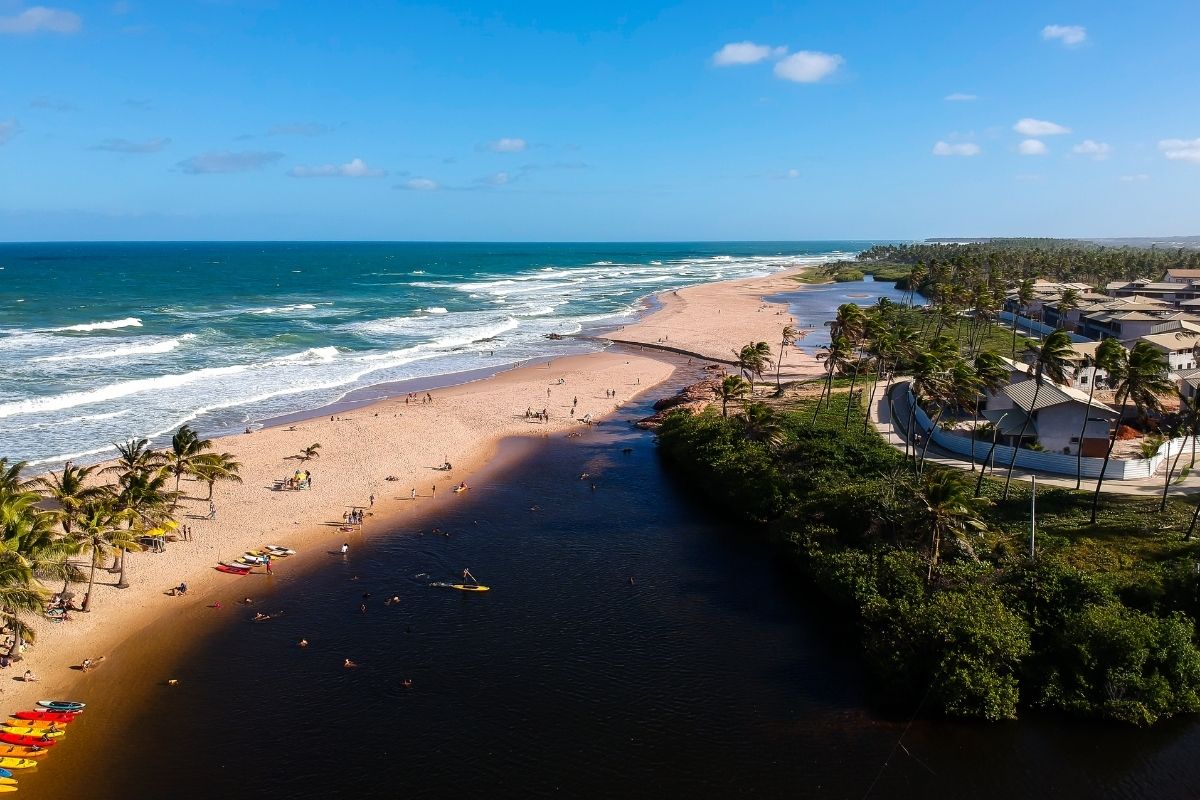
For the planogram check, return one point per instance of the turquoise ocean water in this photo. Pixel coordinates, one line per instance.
(100, 342)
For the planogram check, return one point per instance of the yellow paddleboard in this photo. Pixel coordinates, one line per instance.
(17, 763)
(470, 587)
(39, 732)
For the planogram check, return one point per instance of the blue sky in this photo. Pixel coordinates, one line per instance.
(223, 119)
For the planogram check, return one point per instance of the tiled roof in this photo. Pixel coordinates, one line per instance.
(1051, 394)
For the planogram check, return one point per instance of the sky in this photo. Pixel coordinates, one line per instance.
(531, 120)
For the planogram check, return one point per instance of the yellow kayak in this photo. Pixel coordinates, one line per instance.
(40, 724)
(8, 781)
(16, 763)
(24, 731)
(7, 787)
(463, 587)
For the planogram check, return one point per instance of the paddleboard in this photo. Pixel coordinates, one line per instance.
(275, 549)
(62, 705)
(463, 587)
(17, 763)
(27, 741)
(53, 716)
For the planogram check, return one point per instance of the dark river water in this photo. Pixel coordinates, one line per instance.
(709, 674)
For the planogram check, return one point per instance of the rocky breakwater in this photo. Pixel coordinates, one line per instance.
(694, 398)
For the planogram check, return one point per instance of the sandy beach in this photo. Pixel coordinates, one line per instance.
(360, 449)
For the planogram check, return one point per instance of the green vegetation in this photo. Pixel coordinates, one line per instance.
(936, 584)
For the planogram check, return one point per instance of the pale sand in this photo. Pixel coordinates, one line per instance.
(710, 320)
(463, 425)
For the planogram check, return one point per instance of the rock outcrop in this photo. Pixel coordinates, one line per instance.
(694, 399)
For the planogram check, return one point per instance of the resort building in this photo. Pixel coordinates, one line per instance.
(1171, 292)
(1178, 347)
(1055, 420)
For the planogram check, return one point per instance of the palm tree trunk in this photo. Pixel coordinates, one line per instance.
(974, 432)
(1025, 426)
(850, 397)
(929, 438)
(986, 460)
(874, 388)
(1188, 536)
(1107, 455)
(87, 598)
(121, 584)
(779, 365)
(1167, 482)
(210, 490)
(1082, 431)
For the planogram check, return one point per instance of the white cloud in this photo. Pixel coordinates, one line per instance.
(8, 129)
(1038, 127)
(959, 97)
(1140, 177)
(356, 168)
(1069, 35)
(956, 149)
(224, 161)
(40, 18)
(126, 146)
(1092, 149)
(1032, 147)
(736, 53)
(507, 145)
(1181, 149)
(419, 185)
(807, 66)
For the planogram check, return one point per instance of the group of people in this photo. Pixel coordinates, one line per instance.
(353, 517)
(414, 397)
(541, 416)
(302, 479)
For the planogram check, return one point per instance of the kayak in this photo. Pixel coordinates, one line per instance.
(62, 705)
(5, 773)
(6, 788)
(50, 716)
(15, 751)
(252, 558)
(233, 569)
(21, 730)
(8, 782)
(276, 550)
(463, 587)
(35, 723)
(26, 741)
(17, 763)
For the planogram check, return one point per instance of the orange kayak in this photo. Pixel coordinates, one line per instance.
(17, 751)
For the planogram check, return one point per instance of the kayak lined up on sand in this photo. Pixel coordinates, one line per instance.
(17, 751)
(17, 763)
(46, 716)
(27, 741)
(21, 730)
(62, 705)
(462, 587)
(243, 564)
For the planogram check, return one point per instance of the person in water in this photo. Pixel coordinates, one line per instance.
(349, 664)
(303, 643)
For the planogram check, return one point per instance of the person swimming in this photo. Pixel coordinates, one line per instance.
(303, 643)
(349, 664)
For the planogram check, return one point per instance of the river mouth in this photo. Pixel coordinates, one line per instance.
(631, 646)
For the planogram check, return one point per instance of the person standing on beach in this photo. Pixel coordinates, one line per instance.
(372, 501)
(212, 510)
(345, 547)
(414, 493)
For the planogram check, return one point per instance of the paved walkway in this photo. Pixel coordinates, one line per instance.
(894, 433)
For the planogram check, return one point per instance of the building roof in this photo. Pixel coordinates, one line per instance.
(1180, 340)
(1051, 394)
(1009, 420)
(1184, 273)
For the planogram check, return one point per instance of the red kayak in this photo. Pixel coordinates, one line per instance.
(232, 570)
(46, 716)
(27, 741)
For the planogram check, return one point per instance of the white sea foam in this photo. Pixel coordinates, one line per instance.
(435, 310)
(284, 309)
(107, 325)
(150, 348)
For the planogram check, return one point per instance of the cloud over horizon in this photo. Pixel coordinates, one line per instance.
(808, 66)
(221, 162)
(1032, 147)
(356, 168)
(36, 19)
(956, 149)
(418, 185)
(1069, 35)
(1181, 150)
(738, 53)
(1039, 127)
(127, 146)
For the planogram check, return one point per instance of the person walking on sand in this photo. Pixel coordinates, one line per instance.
(212, 510)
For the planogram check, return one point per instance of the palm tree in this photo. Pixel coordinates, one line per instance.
(186, 448)
(928, 386)
(950, 510)
(33, 533)
(20, 597)
(215, 467)
(1140, 376)
(71, 492)
(102, 532)
(1108, 354)
(760, 424)
(134, 455)
(836, 355)
(916, 274)
(1049, 361)
(993, 375)
(1024, 298)
(753, 359)
(733, 387)
(1067, 302)
(311, 452)
(10, 477)
(960, 389)
(789, 336)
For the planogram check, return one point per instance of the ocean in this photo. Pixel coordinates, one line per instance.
(102, 342)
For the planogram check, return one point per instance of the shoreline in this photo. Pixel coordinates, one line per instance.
(469, 421)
